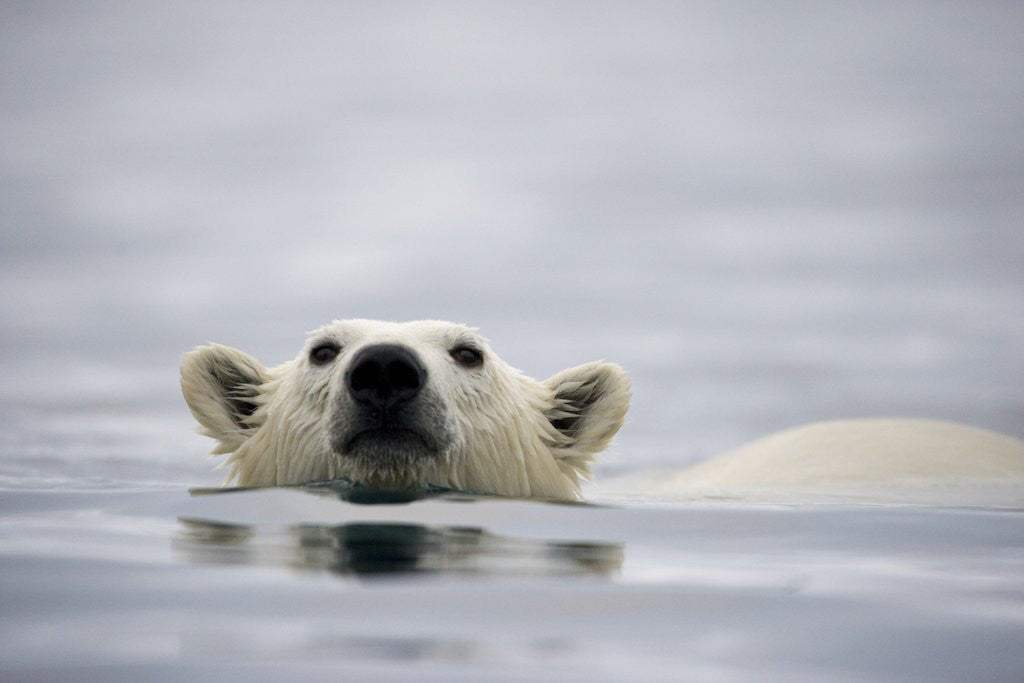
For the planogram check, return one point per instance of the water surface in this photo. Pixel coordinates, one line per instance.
(285, 582)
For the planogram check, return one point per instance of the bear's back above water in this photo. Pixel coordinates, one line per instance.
(866, 460)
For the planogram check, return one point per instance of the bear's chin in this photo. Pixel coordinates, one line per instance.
(388, 459)
(387, 448)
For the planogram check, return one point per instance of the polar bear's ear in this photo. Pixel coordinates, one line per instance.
(590, 403)
(222, 387)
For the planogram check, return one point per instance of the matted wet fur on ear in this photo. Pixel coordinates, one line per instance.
(222, 388)
(589, 407)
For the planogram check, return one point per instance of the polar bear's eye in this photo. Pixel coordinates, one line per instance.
(324, 353)
(466, 356)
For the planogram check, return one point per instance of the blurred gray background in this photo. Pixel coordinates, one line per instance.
(770, 213)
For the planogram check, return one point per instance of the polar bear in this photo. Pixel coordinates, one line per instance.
(402, 406)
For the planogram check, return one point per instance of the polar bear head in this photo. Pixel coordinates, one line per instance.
(400, 406)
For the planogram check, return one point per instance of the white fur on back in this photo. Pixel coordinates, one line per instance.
(869, 460)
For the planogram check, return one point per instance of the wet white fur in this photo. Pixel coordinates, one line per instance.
(503, 438)
(871, 460)
(866, 450)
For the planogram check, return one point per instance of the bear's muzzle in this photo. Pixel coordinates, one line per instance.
(389, 414)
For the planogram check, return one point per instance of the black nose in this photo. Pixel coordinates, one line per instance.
(385, 374)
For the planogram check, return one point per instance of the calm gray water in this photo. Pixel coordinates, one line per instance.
(769, 215)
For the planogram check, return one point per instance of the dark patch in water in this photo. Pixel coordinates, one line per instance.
(360, 494)
(354, 492)
(348, 491)
(381, 549)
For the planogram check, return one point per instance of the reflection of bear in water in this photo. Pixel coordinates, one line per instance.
(368, 549)
(400, 406)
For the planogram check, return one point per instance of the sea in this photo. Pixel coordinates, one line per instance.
(769, 214)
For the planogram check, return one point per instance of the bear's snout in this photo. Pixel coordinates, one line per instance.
(390, 415)
(384, 375)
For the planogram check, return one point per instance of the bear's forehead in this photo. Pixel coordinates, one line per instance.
(424, 331)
